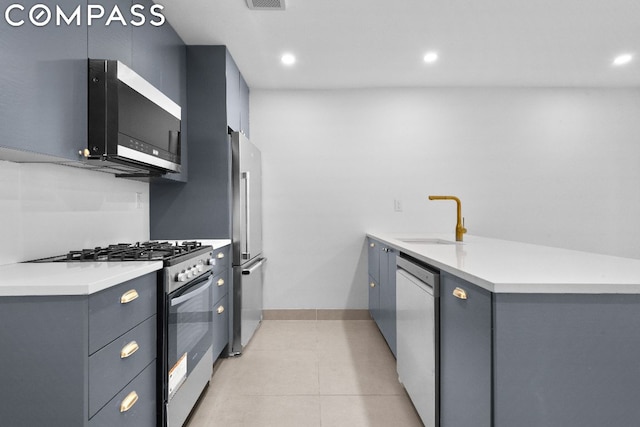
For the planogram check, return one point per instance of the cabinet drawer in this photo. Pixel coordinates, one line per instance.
(141, 414)
(220, 326)
(220, 259)
(220, 286)
(110, 315)
(110, 370)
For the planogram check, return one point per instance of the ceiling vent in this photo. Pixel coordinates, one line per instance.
(266, 4)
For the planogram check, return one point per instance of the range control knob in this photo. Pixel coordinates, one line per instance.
(189, 273)
(211, 261)
(200, 266)
(181, 277)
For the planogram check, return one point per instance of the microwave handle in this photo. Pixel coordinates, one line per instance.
(192, 294)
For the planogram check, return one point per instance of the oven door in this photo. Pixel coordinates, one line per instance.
(189, 330)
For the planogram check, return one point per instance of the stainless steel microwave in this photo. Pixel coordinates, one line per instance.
(133, 127)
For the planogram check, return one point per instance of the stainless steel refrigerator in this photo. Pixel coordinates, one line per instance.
(248, 259)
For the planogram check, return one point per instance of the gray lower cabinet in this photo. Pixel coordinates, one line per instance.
(382, 289)
(537, 360)
(221, 309)
(465, 353)
(80, 360)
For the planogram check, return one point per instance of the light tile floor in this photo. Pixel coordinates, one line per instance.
(307, 373)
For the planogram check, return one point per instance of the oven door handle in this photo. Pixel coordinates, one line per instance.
(192, 294)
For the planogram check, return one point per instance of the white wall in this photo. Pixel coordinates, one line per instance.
(558, 167)
(48, 210)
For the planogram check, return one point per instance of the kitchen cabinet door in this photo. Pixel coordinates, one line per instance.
(113, 41)
(244, 106)
(465, 354)
(388, 310)
(233, 93)
(382, 289)
(43, 107)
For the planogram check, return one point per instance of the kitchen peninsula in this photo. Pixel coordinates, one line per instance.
(545, 336)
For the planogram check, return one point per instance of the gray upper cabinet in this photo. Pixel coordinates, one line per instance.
(43, 106)
(113, 41)
(237, 98)
(212, 96)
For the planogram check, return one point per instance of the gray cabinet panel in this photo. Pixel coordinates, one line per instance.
(244, 107)
(113, 41)
(374, 299)
(220, 326)
(142, 413)
(566, 360)
(44, 366)
(220, 285)
(233, 93)
(43, 107)
(388, 297)
(109, 318)
(109, 372)
(382, 295)
(207, 194)
(465, 355)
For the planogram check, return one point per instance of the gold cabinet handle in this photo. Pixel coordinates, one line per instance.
(372, 285)
(372, 245)
(460, 293)
(220, 310)
(129, 349)
(220, 255)
(220, 282)
(129, 401)
(129, 296)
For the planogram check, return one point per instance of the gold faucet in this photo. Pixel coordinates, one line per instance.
(460, 230)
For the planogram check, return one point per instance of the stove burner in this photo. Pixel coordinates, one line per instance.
(145, 251)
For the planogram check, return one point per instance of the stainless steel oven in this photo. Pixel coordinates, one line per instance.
(188, 335)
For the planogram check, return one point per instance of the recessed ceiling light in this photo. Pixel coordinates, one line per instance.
(430, 57)
(288, 59)
(622, 59)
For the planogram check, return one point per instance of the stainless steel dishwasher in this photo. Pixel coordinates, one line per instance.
(417, 357)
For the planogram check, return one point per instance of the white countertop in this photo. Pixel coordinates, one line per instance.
(77, 278)
(69, 278)
(502, 266)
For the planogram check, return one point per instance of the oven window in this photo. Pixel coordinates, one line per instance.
(189, 332)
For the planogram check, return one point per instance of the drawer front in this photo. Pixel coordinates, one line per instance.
(115, 365)
(221, 259)
(220, 326)
(141, 414)
(111, 316)
(220, 286)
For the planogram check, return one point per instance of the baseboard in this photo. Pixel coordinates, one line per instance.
(316, 314)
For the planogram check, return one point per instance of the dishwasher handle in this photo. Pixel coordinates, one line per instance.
(425, 275)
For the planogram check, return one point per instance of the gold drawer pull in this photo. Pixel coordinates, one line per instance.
(129, 349)
(220, 282)
(460, 293)
(129, 401)
(372, 245)
(372, 285)
(129, 296)
(220, 310)
(220, 255)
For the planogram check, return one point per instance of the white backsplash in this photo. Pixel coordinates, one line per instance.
(48, 209)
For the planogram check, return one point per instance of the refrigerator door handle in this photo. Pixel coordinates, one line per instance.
(253, 267)
(247, 214)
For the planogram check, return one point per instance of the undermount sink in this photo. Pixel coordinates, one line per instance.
(426, 241)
